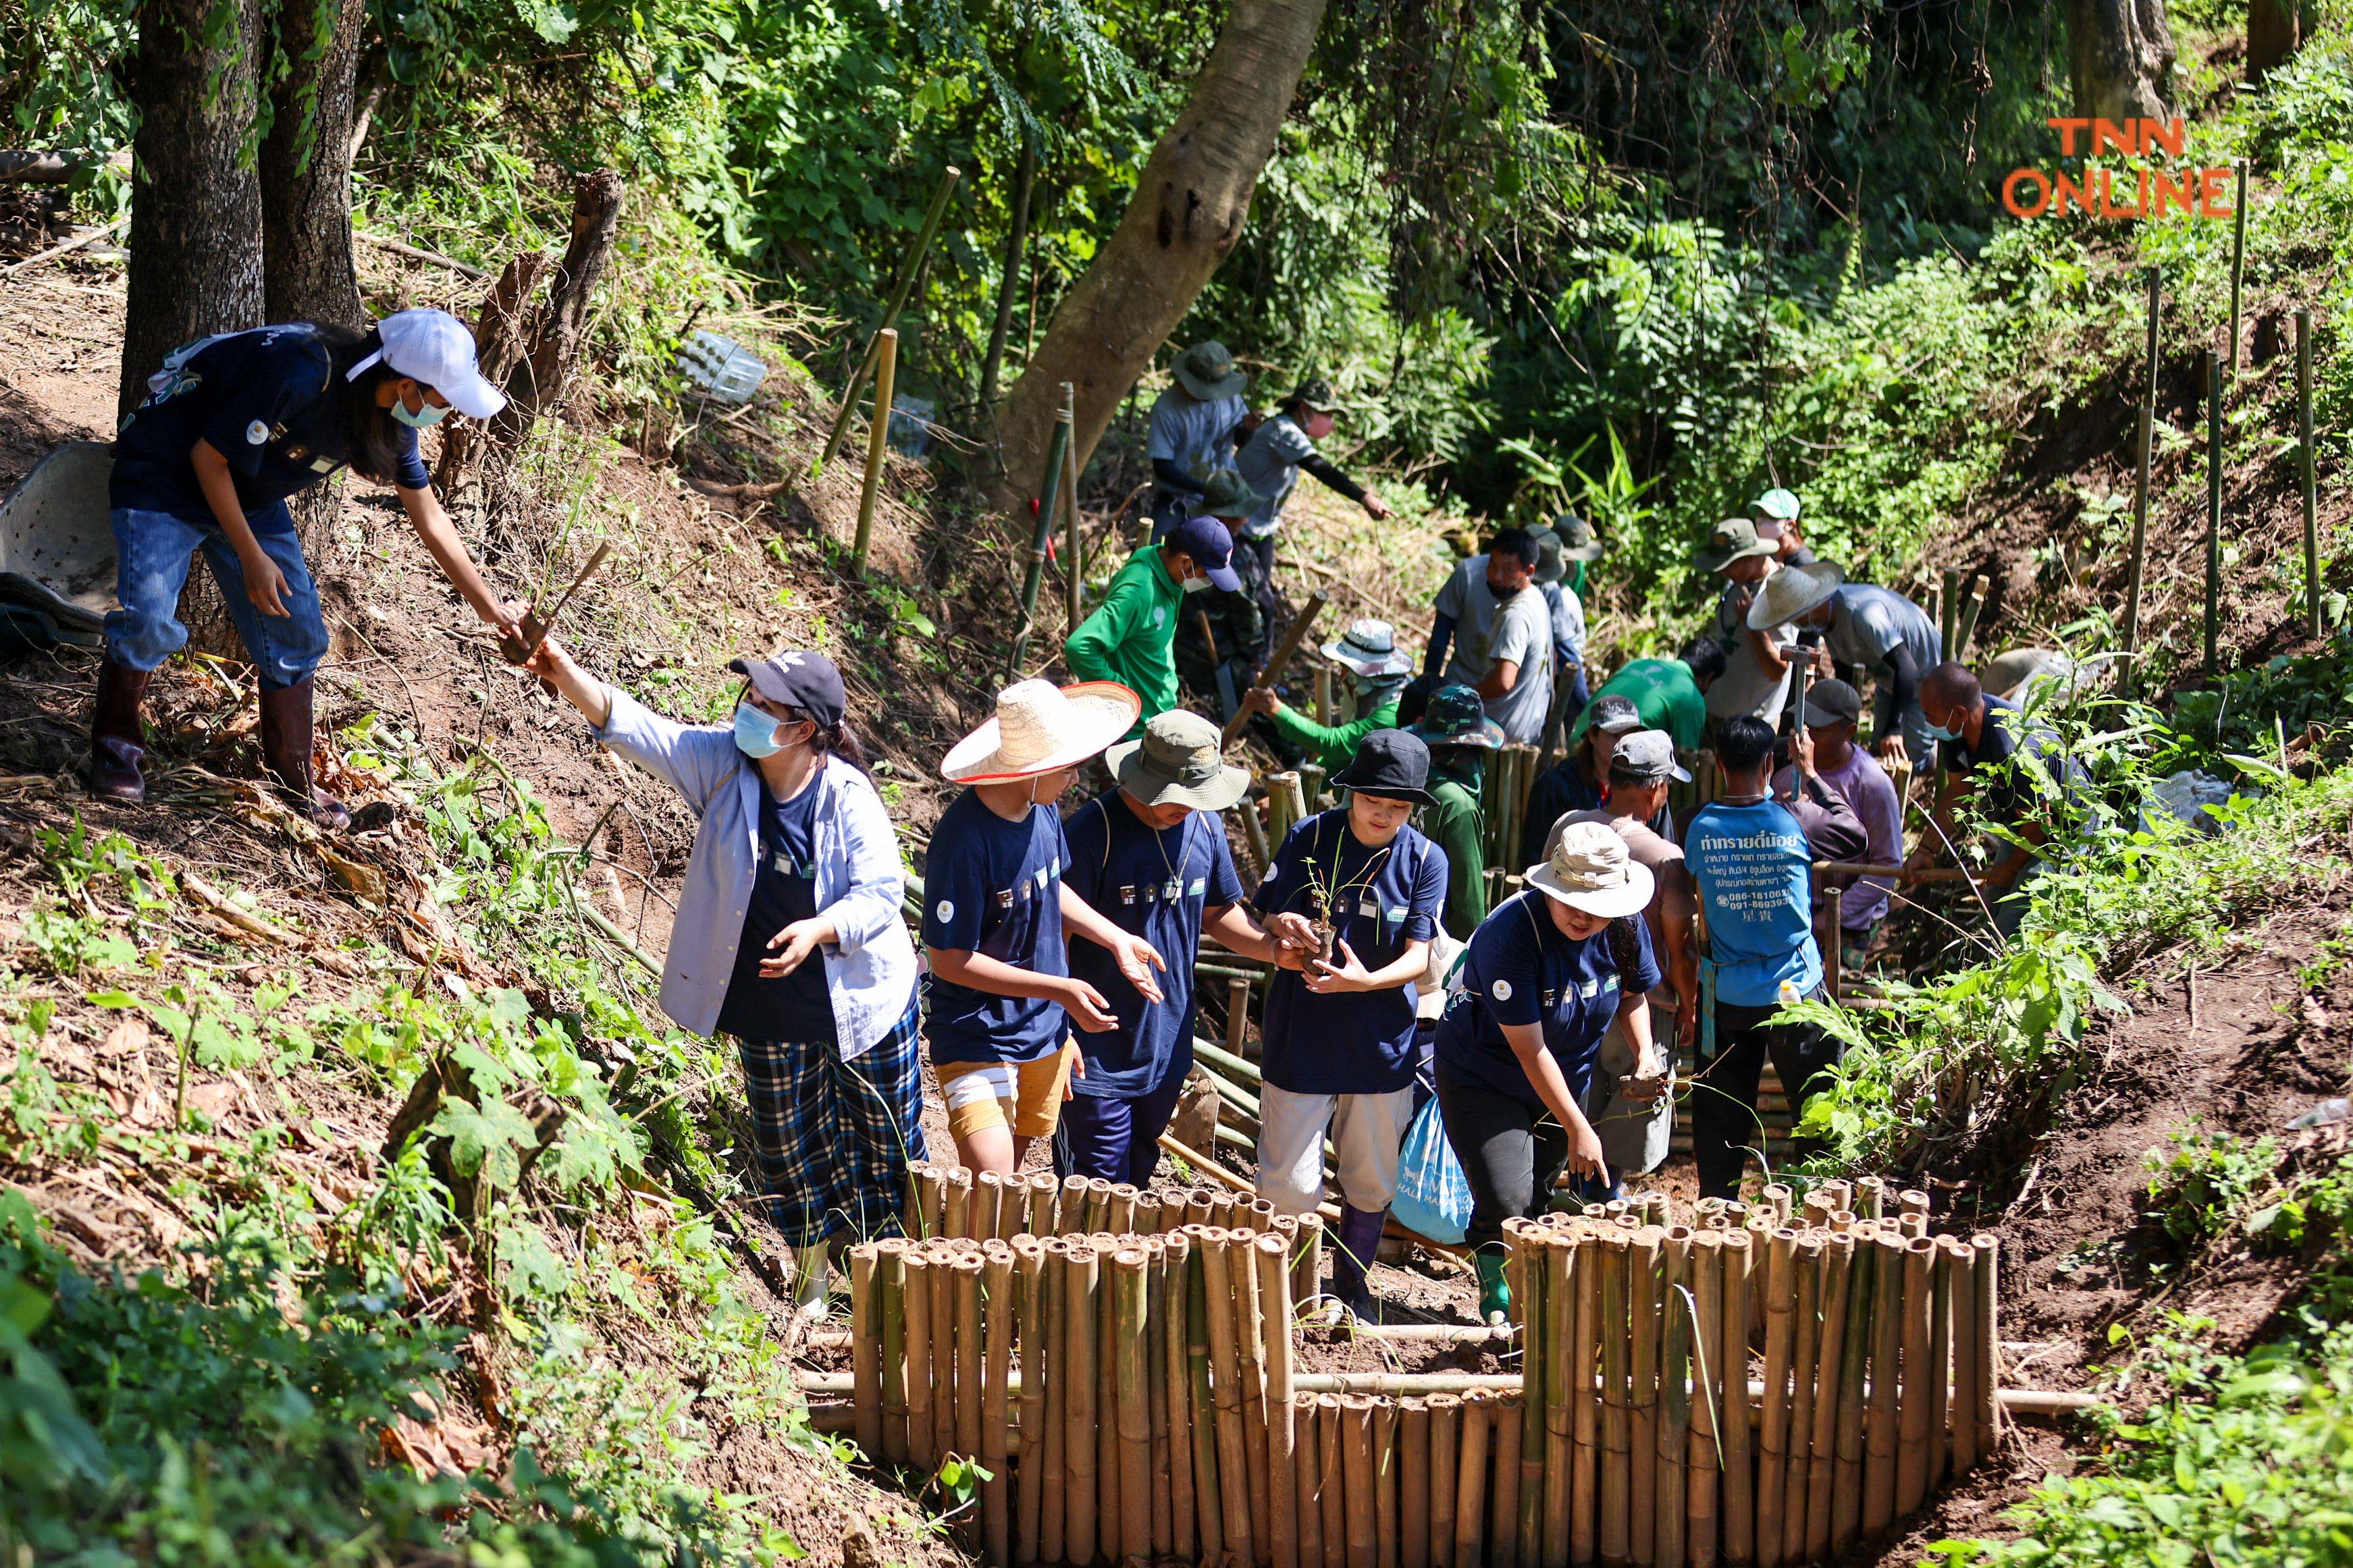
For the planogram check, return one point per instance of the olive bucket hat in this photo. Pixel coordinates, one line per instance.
(1177, 762)
(1208, 371)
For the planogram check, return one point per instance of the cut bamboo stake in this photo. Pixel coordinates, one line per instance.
(1208, 1503)
(1967, 1348)
(1670, 1505)
(865, 1351)
(1081, 1496)
(1098, 1205)
(931, 1197)
(1052, 1362)
(891, 1287)
(996, 1492)
(1987, 1413)
(1471, 1479)
(1274, 1266)
(1807, 1380)
(2309, 470)
(1385, 1449)
(1045, 1205)
(1616, 1526)
(1176, 1337)
(1307, 1479)
(1250, 1342)
(910, 265)
(1643, 1393)
(943, 1356)
(1159, 1390)
(1854, 1356)
(1705, 1464)
(1829, 1358)
(1880, 1432)
(878, 442)
(2140, 490)
(1109, 1501)
(1940, 1360)
(1225, 1378)
(1307, 1261)
(1332, 1466)
(1302, 623)
(1442, 1480)
(1503, 1536)
(1129, 1341)
(1413, 1465)
(988, 1205)
(2213, 515)
(1560, 1371)
(1529, 1274)
(1912, 1400)
(1074, 584)
(1361, 1493)
(2238, 257)
(920, 1376)
(1585, 1413)
(1732, 1374)
(1780, 1304)
(969, 1355)
(1029, 1302)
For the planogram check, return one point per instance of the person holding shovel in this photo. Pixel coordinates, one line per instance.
(1548, 974)
(232, 426)
(1151, 856)
(1129, 639)
(788, 939)
(1353, 901)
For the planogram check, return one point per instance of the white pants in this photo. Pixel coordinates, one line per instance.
(1367, 1131)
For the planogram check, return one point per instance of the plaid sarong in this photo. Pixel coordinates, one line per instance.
(835, 1138)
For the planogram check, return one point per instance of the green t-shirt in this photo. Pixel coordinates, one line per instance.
(1452, 821)
(1128, 638)
(1663, 692)
(1333, 745)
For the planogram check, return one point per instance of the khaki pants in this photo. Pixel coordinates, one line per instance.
(1368, 1133)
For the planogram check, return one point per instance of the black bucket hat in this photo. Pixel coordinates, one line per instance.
(1391, 763)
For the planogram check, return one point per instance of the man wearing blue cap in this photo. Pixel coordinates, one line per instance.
(1128, 639)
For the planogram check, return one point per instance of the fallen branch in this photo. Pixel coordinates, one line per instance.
(219, 902)
(732, 492)
(53, 252)
(400, 247)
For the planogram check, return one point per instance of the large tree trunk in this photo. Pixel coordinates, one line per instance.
(1186, 216)
(306, 168)
(195, 206)
(2120, 59)
(2276, 29)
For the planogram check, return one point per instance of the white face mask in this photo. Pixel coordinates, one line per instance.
(1196, 584)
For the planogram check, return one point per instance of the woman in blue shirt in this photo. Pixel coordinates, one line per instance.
(1340, 1032)
(232, 426)
(788, 937)
(1545, 974)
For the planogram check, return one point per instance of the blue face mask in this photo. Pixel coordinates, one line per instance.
(1939, 731)
(424, 418)
(756, 732)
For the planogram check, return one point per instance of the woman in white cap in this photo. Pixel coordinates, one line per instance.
(788, 938)
(995, 912)
(1545, 975)
(1376, 671)
(232, 426)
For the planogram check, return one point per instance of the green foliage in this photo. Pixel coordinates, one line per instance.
(2203, 1187)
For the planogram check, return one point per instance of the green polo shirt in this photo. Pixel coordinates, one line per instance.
(1128, 638)
(1663, 692)
(1333, 746)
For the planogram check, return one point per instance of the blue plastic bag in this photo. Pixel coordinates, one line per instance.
(1433, 1196)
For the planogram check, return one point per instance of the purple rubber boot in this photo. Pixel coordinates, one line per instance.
(1359, 1238)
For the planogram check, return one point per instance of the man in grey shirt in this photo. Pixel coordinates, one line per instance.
(1270, 462)
(1865, 630)
(1501, 632)
(1192, 431)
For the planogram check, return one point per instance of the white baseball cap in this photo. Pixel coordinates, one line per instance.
(434, 347)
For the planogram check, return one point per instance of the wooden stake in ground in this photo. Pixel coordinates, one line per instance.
(2238, 257)
(1444, 1477)
(997, 1374)
(1854, 1356)
(1880, 1435)
(970, 1356)
(1361, 1493)
(1029, 1304)
(2307, 470)
(1643, 1393)
(1157, 1389)
(1045, 1203)
(2140, 492)
(1385, 1449)
(1052, 1364)
(1225, 1379)
(1250, 1342)
(1780, 1304)
(1668, 1503)
(1208, 1487)
(921, 1377)
(878, 442)
(1129, 1340)
(943, 1359)
(1081, 1496)
(1911, 1396)
(1273, 1264)
(1987, 1413)
(1705, 1465)
(1108, 1498)
(1307, 1479)
(1807, 1380)
(1413, 1468)
(1527, 1272)
(1471, 1479)
(1830, 1359)
(911, 265)
(1332, 1463)
(1559, 1327)
(1503, 1536)
(2213, 516)
(865, 1351)
(1616, 1525)
(1739, 1474)
(1176, 1337)
(1966, 1354)
(1940, 1360)
(1585, 1415)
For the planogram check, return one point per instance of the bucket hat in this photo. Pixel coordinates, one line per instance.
(1208, 371)
(1457, 717)
(1589, 869)
(1315, 394)
(1734, 538)
(1177, 760)
(1369, 648)
(1225, 493)
(1391, 763)
(1039, 727)
(1578, 541)
(1791, 593)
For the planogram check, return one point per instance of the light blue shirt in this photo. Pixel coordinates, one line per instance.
(1753, 869)
(870, 973)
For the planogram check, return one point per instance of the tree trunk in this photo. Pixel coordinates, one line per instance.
(306, 168)
(2120, 59)
(541, 379)
(196, 224)
(2276, 30)
(1185, 216)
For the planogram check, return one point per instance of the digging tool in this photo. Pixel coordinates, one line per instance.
(1301, 623)
(1229, 704)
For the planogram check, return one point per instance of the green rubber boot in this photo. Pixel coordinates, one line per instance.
(1495, 1293)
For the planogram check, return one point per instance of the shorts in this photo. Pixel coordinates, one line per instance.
(977, 1094)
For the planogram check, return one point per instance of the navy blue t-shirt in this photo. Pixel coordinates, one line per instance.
(265, 399)
(1352, 1042)
(995, 887)
(1158, 883)
(796, 1007)
(1521, 968)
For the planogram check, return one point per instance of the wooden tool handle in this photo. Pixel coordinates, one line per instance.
(518, 650)
(1300, 626)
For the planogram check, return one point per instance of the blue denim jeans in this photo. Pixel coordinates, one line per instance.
(153, 552)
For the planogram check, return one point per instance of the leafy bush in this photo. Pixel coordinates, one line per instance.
(2204, 1185)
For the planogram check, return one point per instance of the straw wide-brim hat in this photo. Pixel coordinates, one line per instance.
(1591, 869)
(1791, 593)
(1041, 727)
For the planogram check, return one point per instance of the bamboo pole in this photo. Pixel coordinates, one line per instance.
(1643, 1393)
(865, 1350)
(996, 1492)
(1940, 1360)
(910, 267)
(1250, 1329)
(1585, 1408)
(1081, 1496)
(1072, 1218)
(878, 442)
(1129, 1342)
(1443, 1478)
(1670, 1504)
(1912, 1394)
(1471, 1479)
(1503, 1537)
(931, 1197)
(1274, 1266)
(1967, 1348)
(1307, 1480)
(2309, 469)
(1413, 1466)
(2135, 572)
(1560, 1327)
(1052, 1365)
(1225, 1373)
(969, 1355)
(1385, 1449)
(1732, 1374)
(1332, 1467)
(1074, 556)
(2213, 622)
(1109, 1498)
(1615, 1529)
(1870, 1196)
(1987, 1413)
(1361, 1490)
(1029, 1303)
(920, 1376)
(1175, 1340)
(1120, 1217)
(891, 1287)
(1528, 1275)
(1044, 1202)
(988, 1207)
(1806, 1381)
(1307, 1261)
(1879, 1434)
(1854, 1356)
(1780, 1304)
(1705, 1467)
(1254, 834)
(1158, 1389)
(2238, 257)
(943, 1354)
(1830, 1359)
(1207, 1488)
(1098, 1209)
(1041, 535)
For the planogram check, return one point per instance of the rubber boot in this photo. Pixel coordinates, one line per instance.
(812, 1278)
(117, 740)
(286, 754)
(1359, 1238)
(1494, 1290)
